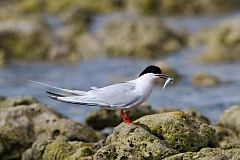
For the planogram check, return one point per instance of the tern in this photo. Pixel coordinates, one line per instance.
(120, 96)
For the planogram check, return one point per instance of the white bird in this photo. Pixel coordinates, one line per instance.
(120, 96)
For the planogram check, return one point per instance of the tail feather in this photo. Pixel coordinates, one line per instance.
(75, 92)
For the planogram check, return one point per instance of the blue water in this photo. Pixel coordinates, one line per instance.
(104, 71)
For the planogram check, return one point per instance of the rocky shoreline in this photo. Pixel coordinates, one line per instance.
(62, 31)
(30, 130)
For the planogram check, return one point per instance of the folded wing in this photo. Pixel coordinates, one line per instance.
(121, 95)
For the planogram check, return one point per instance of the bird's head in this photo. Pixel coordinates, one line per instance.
(154, 72)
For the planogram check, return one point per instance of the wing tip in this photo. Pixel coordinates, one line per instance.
(54, 97)
(55, 94)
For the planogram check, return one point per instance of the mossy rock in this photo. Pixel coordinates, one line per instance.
(32, 39)
(88, 46)
(14, 140)
(11, 102)
(133, 142)
(222, 43)
(58, 149)
(181, 131)
(230, 118)
(36, 151)
(196, 115)
(191, 111)
(21, 38)
(205, 80)
(226, 135)
(2, 58)
(61, 149)
(93, 6)
(103, 118)
(145, 37)
(70, 129)
(183, 7)
(23, 121)
(228, 152)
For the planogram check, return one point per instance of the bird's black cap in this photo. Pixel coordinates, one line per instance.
(151, 69)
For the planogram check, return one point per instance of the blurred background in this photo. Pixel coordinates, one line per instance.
(83, 43)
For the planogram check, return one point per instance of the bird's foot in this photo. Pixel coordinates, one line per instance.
(125, 117)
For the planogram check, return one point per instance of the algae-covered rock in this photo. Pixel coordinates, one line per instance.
(222, 42)
(36, 151)
(230, 118)
(58, 149)
(2, 58)
(224, 153)
(11, 102)
(138, 36)
(181, 7)
(226, 135)
(73, 22)
(192, 112)
(102, 118)
(181, 131)
(133, 142)
(22, 121)
(88, 46)
(157, 136)
(91, 6)
(31, 39)
(205, 80)
(70, 129)
(22, 38)
(196, 114)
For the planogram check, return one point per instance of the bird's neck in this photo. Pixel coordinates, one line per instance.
(145, 86)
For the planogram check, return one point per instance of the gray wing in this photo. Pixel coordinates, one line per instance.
(121, 95)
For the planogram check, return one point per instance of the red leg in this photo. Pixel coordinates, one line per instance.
(125, 117)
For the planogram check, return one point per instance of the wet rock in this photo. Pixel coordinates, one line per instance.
(181, 131)
(226, 135)
(230, 118)
(20, 38)
(58, 149)
(192, 112)
(102, 118)
(222, 43)
(157, 136)
(61, 149)
(88, 46)
(181, 7)
(228, 152)
(146, 37)
(31, 39)
(73, 22)
(22, 124)
(196, 115)
(133, 142)
(11, 102)
(167, 69)
(2, 58)
(70, 129)
(36, 151)
(90, 6)
(205, 80)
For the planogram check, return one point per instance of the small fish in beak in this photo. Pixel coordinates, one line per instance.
(168, 80)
